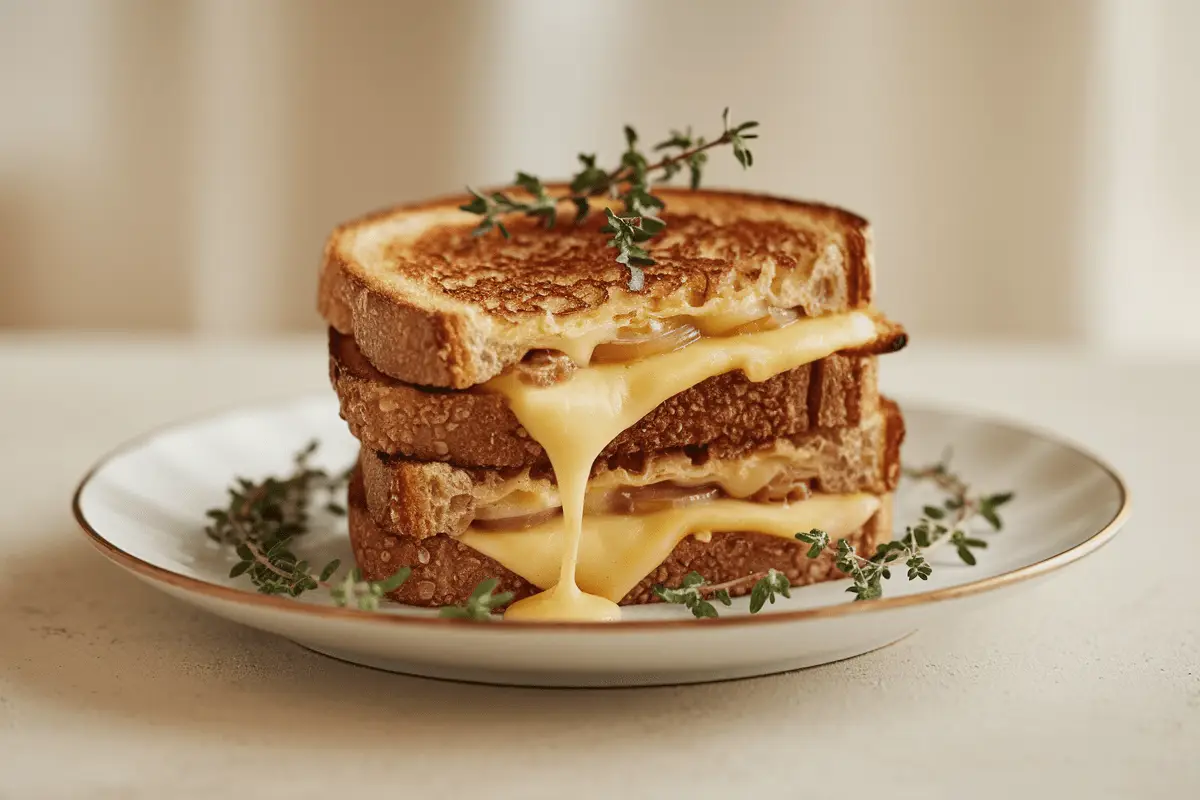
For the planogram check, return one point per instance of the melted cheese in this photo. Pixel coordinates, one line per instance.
(574, 420)
(617, 551)
(738, 478)
(579, 348)
(717, 320)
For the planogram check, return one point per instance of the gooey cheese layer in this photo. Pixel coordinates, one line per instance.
(575, 419)
(738, 478)
(617, 551)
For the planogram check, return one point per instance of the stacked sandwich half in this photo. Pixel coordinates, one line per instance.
(525, 416)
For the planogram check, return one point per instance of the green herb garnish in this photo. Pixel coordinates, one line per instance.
(263, 517)
(480, 604)
(766, 588)
(938, 524)
(692, 592)
(630, 182)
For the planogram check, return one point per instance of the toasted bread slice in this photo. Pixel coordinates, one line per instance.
(476, 429)
(445, 571)
(433, 305)
(422, 498)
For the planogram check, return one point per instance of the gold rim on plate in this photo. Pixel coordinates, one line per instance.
(290, 605)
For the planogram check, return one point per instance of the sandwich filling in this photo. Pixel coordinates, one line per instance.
(782, 472)
(524, 509)
(615, 551)
(575, 417)
(616, 343)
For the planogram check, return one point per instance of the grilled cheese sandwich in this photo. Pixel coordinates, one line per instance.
(589, 371)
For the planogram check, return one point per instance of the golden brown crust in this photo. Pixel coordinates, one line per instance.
(445, 571)
(421, 499)
(433, 305)
(896, 431)
(468, 428)
(403, 339)
(475, 429)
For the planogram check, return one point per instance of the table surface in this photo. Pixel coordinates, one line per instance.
(1088, 683)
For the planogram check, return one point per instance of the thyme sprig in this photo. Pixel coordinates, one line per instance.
(263, 517)
(766, 588)
(631, 182)
(939, 524)
(480, 605)
(693, 593)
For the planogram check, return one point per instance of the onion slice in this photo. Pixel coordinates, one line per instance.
(775, 319)
(643, 341)
(517, 523)
(659, 497)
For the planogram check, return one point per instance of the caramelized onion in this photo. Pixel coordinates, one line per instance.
(724, 323)
(517, 503)
(515, 515)
(659, 497)
(775, 319)
(748, 320)
(656, 336)
(517, 523)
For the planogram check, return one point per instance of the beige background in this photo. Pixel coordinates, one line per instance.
(1030, 166)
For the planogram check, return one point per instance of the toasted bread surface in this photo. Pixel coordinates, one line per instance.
(431, 304)
(477, 429)
(445, 571)
(423, 498)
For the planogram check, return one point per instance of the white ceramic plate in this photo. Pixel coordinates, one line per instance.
(143, 507)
